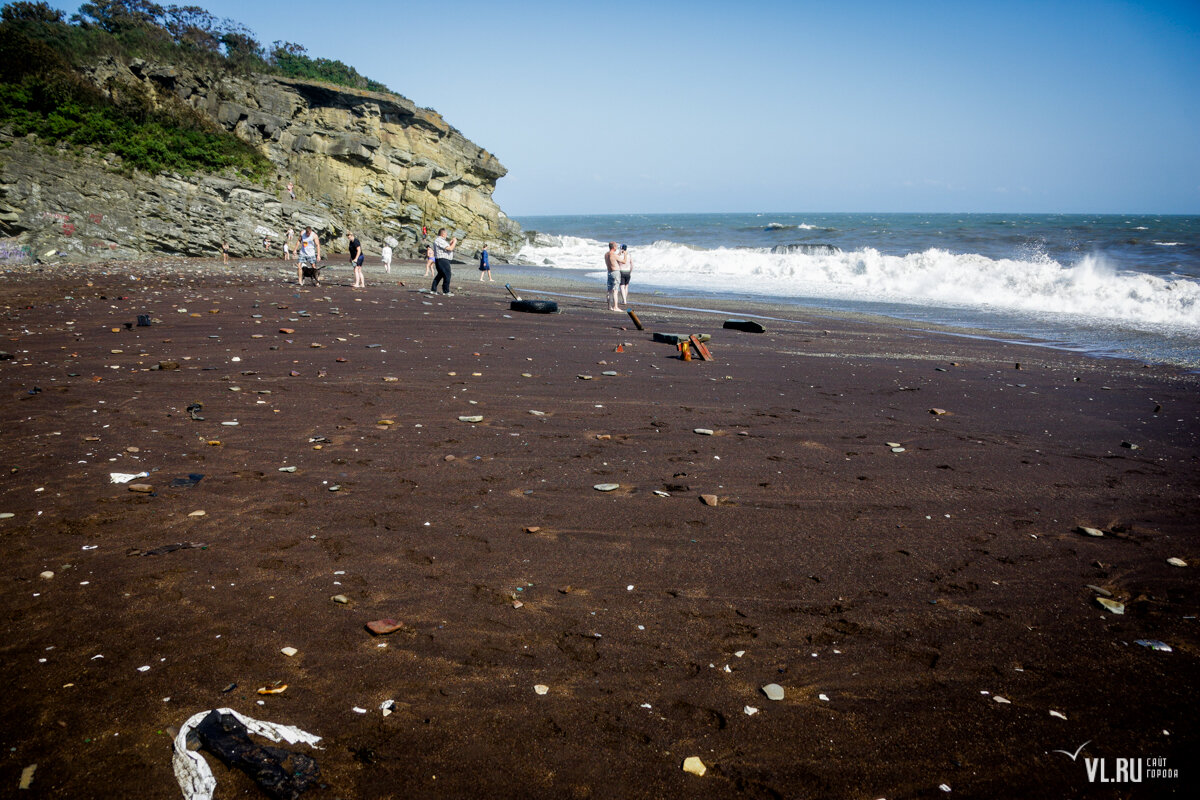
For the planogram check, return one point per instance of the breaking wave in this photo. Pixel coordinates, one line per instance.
(1090, 289)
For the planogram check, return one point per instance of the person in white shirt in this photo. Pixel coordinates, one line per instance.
(386, 255)
(443, 251)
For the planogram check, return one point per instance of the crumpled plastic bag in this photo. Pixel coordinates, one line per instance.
(126, 477)
(191, 769)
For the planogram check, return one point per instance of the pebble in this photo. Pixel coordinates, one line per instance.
(703, 431)
(693, 765)
(610, 373)
(197, 514)
(584, 377)
(230, 424)
(1002, 700)
(340, 598)
(541, 688)
(143, 488)
(1090, 531)
(897, 449)
(7, 515)
(1058, 714)
(1130, 446)
(382, 627)
(287, 469)
(773, 691)
(892, 444)
(390, 379)
(606, 487)
(661, 493)
(289, 651)
(750, 711)
(709, 499)
(1176, 562)
(47, 575)
(537, 413)
(1111, 605)
(938, 411)
(473, 418)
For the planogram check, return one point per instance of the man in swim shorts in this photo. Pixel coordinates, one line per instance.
(613, 264)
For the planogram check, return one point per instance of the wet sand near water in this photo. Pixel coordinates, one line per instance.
(915, 582)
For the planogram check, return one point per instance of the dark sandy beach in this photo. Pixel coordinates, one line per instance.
(931, 614)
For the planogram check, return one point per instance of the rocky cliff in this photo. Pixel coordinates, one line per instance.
(362, 162)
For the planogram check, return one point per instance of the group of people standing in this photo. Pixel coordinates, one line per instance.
(619, 264)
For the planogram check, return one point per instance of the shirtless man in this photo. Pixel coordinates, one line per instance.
(612, 262)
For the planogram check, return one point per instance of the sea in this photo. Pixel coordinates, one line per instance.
(1117, 285)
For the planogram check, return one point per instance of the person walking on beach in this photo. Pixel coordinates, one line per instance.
(357, 258)
(443, 251)
(386, 255)
(626, 261)
(310, 254)
(225, 252)
(429, 261)
(485, 268)
(612, 262)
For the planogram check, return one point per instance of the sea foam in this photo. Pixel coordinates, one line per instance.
(1090, 289)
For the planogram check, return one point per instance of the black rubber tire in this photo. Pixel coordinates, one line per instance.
(534, 306)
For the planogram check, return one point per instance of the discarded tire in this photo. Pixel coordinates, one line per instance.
(534, 306)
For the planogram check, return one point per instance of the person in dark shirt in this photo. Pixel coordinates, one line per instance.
(357, 258)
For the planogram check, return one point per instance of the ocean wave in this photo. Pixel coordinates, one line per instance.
(1168, 244)
(1091, 289)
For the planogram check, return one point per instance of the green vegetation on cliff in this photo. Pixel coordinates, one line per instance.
(42, 91)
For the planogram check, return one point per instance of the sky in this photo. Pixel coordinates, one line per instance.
(697, 106)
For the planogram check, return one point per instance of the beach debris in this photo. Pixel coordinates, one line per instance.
(289, 651)
(387, 707)
(126, 477)
(1111, 605)
(701, 348)
(340, 598)
(278, 687)
(541, 688)
(166, 548)
(186, 483)
(1176, 562)
(225, 734)
(636, 322)
(1058, 714)
(745, 325)
(1155, 644)
(509, 289)
(606, 487)
(670, 338)
(773, 691)
(472, 418)
(709, 499)
(382, 627)
(1090, 531)
(945, 787)
(534, 306)
(703, 431)
(937, 412)
(694, 766)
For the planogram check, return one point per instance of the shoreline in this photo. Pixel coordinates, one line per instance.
(554, 282)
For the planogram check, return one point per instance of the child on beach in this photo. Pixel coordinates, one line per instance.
(485, 269)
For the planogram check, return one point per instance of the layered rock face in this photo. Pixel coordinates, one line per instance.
(372, 164)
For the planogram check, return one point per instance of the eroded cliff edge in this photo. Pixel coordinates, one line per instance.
(370, 163)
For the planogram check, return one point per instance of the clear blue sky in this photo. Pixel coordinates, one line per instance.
(692, 106)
